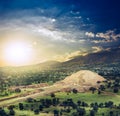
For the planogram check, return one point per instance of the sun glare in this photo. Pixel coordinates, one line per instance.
(17, 53)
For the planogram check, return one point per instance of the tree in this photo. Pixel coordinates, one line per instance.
(109, 84)
(84, 104)
(48, 103)
(116, 90)
(78, 102)
(11, 107)
(81, 111)
(12, 112)
(61, 113)
(92, 113)
(21, 107)
(93, 89)
(36, 111)
(75, 91)
(55, 101)
(95, 108)
(101, 105)
(102, 87)
(92, 104)
(40, 107)
(74, 106)
(3, 83)
(56, 113)
(52, 95)
(30, 99)
(68, 110)
(2, 112)
(110, 104)
(99, 92)
(17, 90)
(111, 113)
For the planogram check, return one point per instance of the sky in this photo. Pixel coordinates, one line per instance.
(56, 29)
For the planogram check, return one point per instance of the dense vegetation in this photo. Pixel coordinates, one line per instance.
(68, 104)
(100, 102)
(11, 76)
(16, 76)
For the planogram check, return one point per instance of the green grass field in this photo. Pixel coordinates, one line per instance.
(87, 97)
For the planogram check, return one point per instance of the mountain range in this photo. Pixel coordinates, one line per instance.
(102, 57)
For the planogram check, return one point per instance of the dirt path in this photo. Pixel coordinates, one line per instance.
(16, 99)
(108, 93)
(46, 91)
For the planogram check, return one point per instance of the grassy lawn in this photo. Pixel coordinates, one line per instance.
(89, 97)
(28, 113)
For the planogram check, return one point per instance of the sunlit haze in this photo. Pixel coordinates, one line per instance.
(17, 53)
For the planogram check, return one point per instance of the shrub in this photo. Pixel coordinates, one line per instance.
(92, 113)
(30, 100)
(12, 112)
(21, 107)
(75, 91)
(116, 90)
(17, 90)
(52, 95)
(36, 111)
(11, 107)
(2, 112)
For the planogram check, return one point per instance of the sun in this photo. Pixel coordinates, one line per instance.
(17, 53)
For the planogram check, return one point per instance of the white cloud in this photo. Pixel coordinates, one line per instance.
(98, 41)
(108, 36)
(69, 56)
(53, 20)
(102, 35)
(43, 26)
(90, 34)
(97, 49)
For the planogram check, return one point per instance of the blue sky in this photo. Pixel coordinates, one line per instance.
(62, 28)
(103, 13)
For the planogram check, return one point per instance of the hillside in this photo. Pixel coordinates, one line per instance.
(103, 57)
(81, 80)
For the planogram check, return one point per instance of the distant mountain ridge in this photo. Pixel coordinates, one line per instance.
(97, 58)
(102, 57)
